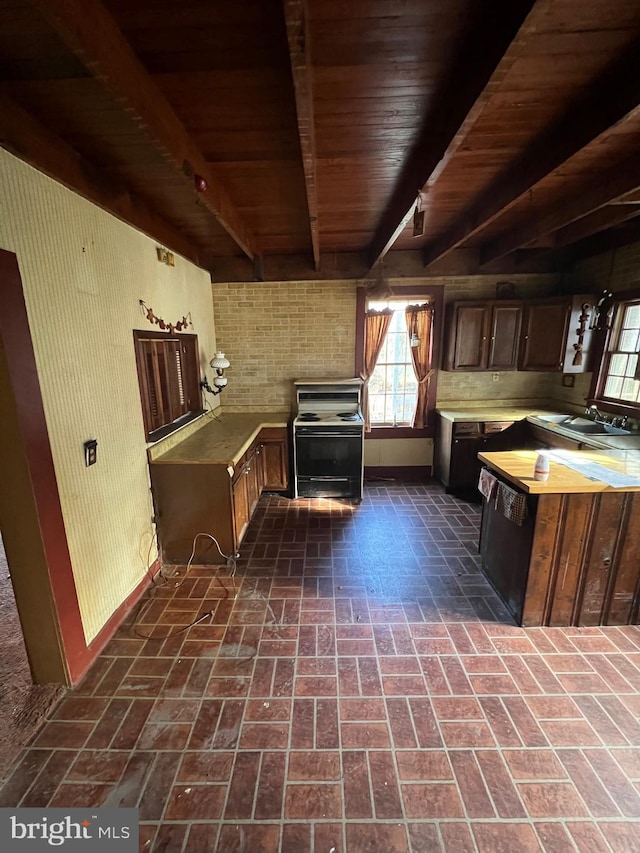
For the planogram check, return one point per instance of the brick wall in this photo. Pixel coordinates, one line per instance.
(273, 333)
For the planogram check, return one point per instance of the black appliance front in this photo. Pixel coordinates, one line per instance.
(329, 461)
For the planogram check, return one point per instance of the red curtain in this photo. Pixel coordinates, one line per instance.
(419, 320)
(376, 326)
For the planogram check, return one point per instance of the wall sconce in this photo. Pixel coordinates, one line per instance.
(219, 363)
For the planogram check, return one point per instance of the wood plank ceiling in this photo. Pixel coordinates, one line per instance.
(317, 126)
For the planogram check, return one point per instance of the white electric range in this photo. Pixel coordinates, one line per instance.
(328, 438)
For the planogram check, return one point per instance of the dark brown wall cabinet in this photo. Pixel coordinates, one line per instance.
(543, 335)
(484, 335)
(192, 498)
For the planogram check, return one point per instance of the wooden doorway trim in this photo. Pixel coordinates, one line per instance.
(32, 522)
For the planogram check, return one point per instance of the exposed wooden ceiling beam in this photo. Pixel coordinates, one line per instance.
(611, 100)
(595, 222)
(296, 18)
(90, 31)
(493, 44)
(606, 241)
(619, 181)
(398, 265)
(25, 137)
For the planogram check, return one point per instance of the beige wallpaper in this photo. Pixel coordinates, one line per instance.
(83, 273)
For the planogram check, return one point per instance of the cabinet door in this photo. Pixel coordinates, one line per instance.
(504, 337)
(274, 461)
(470, 336)
(252, 478)
(544, 335)
(240, 508)
(465, 466)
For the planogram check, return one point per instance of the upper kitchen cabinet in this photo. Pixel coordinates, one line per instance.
(543, 335)
(556, 334)
(484, 335)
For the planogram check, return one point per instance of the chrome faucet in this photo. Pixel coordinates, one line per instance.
(595, 413)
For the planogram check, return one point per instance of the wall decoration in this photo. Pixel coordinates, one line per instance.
(182, 324)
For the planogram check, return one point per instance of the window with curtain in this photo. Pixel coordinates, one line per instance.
(393, 387)
(169, 381)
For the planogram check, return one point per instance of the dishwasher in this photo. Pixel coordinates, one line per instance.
(505, 549)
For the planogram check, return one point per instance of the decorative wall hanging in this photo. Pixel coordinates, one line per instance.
(583, 319)
(182, 324)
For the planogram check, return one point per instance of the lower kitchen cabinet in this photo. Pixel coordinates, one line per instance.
(274, 455)
(572, 562)
(457, 447)
(197, 497)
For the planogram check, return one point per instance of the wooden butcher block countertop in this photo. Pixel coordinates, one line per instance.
(516, 466)
(223, 440)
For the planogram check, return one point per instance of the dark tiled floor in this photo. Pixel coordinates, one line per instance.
(364, 690)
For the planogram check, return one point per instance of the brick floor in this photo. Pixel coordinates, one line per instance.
(358, 687)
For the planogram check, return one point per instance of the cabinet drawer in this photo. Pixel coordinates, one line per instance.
(466, 428)
(491, 427)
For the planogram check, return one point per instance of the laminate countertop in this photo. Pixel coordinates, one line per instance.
(516, 466)
(460, 414)
(223, 440)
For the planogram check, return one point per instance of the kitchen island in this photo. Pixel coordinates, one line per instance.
(574, 557)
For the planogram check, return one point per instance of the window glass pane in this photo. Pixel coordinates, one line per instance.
(630, 389)
(393, 386)
(618, 365)
(632, 317)
(629, 341)
(613, 386)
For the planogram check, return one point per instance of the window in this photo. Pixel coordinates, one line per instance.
(620, 366)
(392, 381)
(393, 386)
(617, 379)
(169, 381)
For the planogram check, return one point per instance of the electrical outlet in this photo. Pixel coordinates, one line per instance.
(495, 377)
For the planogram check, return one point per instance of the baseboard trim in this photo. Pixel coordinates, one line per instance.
(97, 645)
(413, 473)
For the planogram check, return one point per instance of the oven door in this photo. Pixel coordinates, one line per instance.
(327, 452)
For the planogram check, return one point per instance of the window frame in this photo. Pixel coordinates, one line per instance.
(416, 294)
(190, 377)
(604, 337)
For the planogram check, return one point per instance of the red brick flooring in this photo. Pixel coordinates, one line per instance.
(364, 690)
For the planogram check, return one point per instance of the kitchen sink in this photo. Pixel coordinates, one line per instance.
(583, 426)
(595, 429)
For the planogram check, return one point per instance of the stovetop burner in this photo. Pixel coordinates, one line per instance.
(347, 416)
(309, 416)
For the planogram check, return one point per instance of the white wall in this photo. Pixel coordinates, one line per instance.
(83, 272)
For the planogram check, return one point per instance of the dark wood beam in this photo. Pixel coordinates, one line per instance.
(296, 18)
(607, 241)
(593, 223)
(349, 266)
(614, 98)
(493, 43)
(90, 31)
(24, 136)
(619, 181)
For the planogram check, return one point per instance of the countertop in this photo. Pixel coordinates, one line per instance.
(490, 413)
(223, 441)
(516, 466)
(615, 442)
